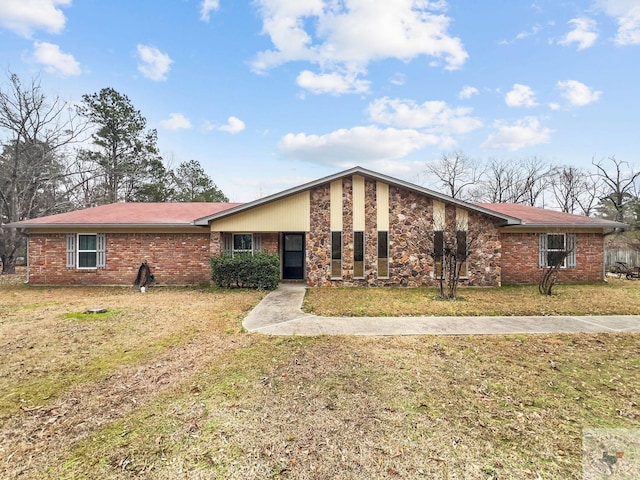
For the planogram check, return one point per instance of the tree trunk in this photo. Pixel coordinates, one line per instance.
(8, 264)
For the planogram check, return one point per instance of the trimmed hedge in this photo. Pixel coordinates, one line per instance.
(261, 270)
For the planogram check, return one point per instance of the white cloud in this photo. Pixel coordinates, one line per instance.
(355, 145)
(25, 16)
(206, 7)
(520, 96)
(234, 125)
(584, 33)
(176, 121)
(627, 14)
(153, 64)
(398, 79)
(526, 132)
(351, 33)
(54, 60)
(333, 83)
(434, 116)
(467, 92)
(578, 94)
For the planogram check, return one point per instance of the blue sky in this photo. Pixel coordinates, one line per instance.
(268, 94)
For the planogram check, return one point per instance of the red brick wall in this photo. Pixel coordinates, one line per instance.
(520, 259)
(174, 258)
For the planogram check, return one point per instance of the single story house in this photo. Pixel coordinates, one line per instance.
(356, 227)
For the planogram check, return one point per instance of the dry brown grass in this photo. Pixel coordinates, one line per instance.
(618, 296)
(170, 387)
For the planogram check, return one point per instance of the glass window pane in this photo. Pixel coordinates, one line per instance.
(336, 245)
(555, 242)
(461, 244)
(383, 247)
(336, 268)
(242, 242)
(556, 258)
(293, 259)
(438, 244)
(87, 259)
(86, 242)
(293, 243)
(383, 267)
(358, 246)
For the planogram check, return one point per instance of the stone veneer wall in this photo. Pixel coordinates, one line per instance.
(520, 259)
(174, 258)
(410, 230)
(486, 252)
(318, 239)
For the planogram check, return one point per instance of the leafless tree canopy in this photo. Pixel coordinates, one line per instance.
(455, 173)
(620, 187)
(35, 133)
(611, 190)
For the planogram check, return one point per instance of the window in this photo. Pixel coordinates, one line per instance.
(383, 254)
(557, 249)
(358, 254)
(336, 254)
(242, 243)
(86, 250)
(438, 252)
(462, 252)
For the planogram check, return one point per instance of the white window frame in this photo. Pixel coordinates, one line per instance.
(560, 250)
(234, 250)
(74, 251)
(569, 245)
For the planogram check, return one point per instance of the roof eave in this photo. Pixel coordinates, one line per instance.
(46, 226)
(612, 225)
(510, 220)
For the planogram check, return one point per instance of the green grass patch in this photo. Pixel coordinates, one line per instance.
(37, 391)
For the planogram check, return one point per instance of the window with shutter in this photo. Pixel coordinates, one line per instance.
(557, 249)
(71, 250)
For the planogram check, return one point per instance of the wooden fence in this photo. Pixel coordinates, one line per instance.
(628, 256)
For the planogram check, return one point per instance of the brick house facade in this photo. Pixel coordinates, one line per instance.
(354, 228)
(520, 263)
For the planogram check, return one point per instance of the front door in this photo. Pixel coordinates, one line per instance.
(293, 256)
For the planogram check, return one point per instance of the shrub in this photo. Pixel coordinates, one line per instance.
(261, 270)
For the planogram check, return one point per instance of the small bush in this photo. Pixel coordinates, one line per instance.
(261, 270)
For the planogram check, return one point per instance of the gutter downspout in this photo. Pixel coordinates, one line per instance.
(28, 258)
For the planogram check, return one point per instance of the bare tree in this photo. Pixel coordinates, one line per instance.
(34, 131)
(555, 259)
(574, 190)
(508, 181)
(444, 247)
(619, 185)
(588, 198)
(455, 173)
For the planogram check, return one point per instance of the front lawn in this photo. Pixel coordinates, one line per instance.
(618, 296)
(167, 385)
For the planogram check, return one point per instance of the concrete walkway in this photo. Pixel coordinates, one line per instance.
(280, 313)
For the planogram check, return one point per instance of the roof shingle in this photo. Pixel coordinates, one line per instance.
(541, 217)
(132, 214)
